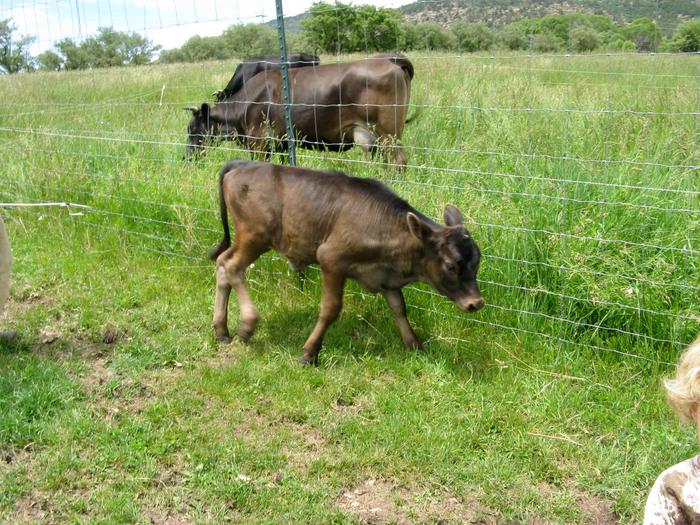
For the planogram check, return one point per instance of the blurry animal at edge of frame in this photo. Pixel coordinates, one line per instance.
(334, 107)
(351, 227)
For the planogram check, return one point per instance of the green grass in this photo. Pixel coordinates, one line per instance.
(519, 415)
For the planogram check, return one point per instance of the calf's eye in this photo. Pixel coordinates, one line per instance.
(450, 267)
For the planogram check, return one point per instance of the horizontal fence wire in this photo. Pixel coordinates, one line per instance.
(544, 275)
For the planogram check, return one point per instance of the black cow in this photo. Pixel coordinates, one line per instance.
(252, 66)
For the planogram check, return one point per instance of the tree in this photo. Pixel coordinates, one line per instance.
(472, 37)
(429, 36)
(380, 29)
(644, 33)
(331, 28)
(72, 56)
(196, 49)
(545, 43)
(583, 38)
(686, 38)
(115, 48)
(339, 27)
(14, 53)
(108, 48)
(236, 41)
(249, 40)
(49, 61)
(515, 37)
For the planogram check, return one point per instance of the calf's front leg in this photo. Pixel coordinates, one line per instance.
(331, 304)
(398, 306)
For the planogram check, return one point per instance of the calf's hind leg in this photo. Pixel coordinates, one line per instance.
(230, 273)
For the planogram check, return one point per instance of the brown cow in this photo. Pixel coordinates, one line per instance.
(334, 106)
(351, 227)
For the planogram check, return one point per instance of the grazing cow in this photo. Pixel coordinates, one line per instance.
(334, 106)
(351, 227)
(252, 66)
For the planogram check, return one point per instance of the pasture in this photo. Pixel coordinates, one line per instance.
(577, 176)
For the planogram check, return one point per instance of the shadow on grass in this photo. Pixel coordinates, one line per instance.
(15, 345)
(371, 333)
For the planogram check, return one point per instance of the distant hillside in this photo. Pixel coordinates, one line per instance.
(667, 13)
(292, 24)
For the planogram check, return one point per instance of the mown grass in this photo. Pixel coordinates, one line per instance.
(546, 398)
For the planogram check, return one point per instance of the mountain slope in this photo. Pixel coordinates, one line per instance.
(667, 13)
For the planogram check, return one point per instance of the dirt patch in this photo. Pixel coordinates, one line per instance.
(12, 457)
(27, 301)
(596, 510)
(226, 355)
(171, 474)
(33, 508)
(378, 502)
(307, 448)
(49, 335)
(348, 406)
(112, 393)
(97, 374)
(158, 517)
(593, 509)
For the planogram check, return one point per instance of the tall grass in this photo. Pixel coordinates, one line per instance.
(578, 176)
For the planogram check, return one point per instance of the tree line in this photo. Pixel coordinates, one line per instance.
(107, 48)
(345, 28)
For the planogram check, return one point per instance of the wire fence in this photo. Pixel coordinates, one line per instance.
(578, 174)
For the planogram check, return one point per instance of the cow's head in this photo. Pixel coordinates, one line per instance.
(451, 258)
(199, 130)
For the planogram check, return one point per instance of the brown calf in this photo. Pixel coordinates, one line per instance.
(349, 226)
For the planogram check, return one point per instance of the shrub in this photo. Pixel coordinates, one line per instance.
(686, 38)
(583, 38)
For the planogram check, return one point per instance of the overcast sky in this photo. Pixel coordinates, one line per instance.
(166, 22)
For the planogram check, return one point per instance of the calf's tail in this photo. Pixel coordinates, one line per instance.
(226, 241)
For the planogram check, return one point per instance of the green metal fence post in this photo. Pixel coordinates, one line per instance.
(285, 84)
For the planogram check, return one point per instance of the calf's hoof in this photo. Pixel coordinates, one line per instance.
(245, 335)
(306, 360)
(225, 339)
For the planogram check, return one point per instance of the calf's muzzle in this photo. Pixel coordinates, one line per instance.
(470, 304)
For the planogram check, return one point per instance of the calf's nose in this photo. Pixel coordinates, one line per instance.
(471, 304)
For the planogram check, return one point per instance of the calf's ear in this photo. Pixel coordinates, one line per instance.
(417, 227)
(453, 217)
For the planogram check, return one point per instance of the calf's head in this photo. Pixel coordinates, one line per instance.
(199, 130)
(451, 258)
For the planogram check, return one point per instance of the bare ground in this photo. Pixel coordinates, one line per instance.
(378, 502)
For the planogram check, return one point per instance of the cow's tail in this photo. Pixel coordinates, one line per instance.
(405, 64)
(416, 114)
(226, 241)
